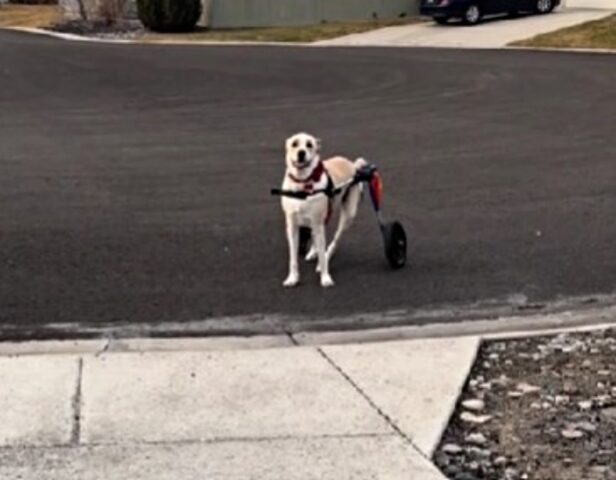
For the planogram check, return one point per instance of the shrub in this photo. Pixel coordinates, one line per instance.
(169, 15)
(111, 11)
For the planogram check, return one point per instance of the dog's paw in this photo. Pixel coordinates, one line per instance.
(311, 255)
(291, 281)
(327, 281)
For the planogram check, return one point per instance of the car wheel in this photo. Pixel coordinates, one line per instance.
(544, 6)
(472, 14)
(441, 20)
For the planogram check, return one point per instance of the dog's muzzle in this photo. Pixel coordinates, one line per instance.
(301, 156)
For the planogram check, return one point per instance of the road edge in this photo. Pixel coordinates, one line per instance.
(505, 327)
(316, 44)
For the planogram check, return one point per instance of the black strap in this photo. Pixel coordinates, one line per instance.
(362, 175)
(301, 194)
(330, 191)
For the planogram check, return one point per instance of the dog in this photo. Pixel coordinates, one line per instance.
(307, 172)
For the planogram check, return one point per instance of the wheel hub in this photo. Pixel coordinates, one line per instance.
(472, 14)
(544, 5)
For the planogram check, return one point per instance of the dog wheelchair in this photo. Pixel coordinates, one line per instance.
(393, 233)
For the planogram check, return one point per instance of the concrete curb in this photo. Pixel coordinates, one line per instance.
(396, 323)
(566, 50)
(503, 327)
(124, 41)
(142, 345)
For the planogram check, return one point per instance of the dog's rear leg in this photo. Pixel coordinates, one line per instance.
(348, 212)
(312, 252)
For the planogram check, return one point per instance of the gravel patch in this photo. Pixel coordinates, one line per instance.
(126, 29)
(540, 408)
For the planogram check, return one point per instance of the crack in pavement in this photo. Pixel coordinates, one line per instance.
(76, 406)
(209, 441)
(381, 413)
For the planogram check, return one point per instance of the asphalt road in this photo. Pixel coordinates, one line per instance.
(134, 180)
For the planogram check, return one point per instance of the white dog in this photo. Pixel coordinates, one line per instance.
(306, 172)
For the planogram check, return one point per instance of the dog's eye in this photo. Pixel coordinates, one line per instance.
(309, 145)
(295, 144)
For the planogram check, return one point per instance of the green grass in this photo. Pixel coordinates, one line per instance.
(28, 15)
(305, 34)
(595, 34)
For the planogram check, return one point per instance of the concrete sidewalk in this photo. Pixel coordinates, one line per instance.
(495, 33)
(336, 412)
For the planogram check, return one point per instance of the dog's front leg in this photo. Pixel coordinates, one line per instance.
(293, 241)
(318, 235)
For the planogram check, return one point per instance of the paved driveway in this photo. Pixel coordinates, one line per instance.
(135, 179)
(604, 4)
(494, 33)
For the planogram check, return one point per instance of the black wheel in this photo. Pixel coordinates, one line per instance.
(441, 20)
(304, 240)
(472, 14)
(544, 6)
(394, 238)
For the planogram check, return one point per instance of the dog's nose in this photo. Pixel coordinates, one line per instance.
(301, 155)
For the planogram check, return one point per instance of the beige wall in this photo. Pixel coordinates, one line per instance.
(262, 13)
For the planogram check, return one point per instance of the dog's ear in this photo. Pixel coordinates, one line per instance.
(317, 144)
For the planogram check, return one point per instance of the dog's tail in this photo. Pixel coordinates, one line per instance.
(360, 163)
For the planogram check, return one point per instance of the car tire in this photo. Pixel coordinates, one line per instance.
(472, 14)
(441, 20)
(544, 6)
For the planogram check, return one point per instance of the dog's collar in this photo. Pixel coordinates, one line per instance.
(314, 177)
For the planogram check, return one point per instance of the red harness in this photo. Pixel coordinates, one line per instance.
(308, 184)
(314, 177)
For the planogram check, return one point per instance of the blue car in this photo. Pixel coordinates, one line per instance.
(472, 11)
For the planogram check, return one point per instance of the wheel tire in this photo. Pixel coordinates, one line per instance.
(544, 6)
(472, 14)
(394, 238)
(441, 20)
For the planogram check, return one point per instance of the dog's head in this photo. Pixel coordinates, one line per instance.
(302, 151)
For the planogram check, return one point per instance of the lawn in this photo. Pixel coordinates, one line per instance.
(47, 15)
(28, 15)
(304, 34)
(595, 34)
